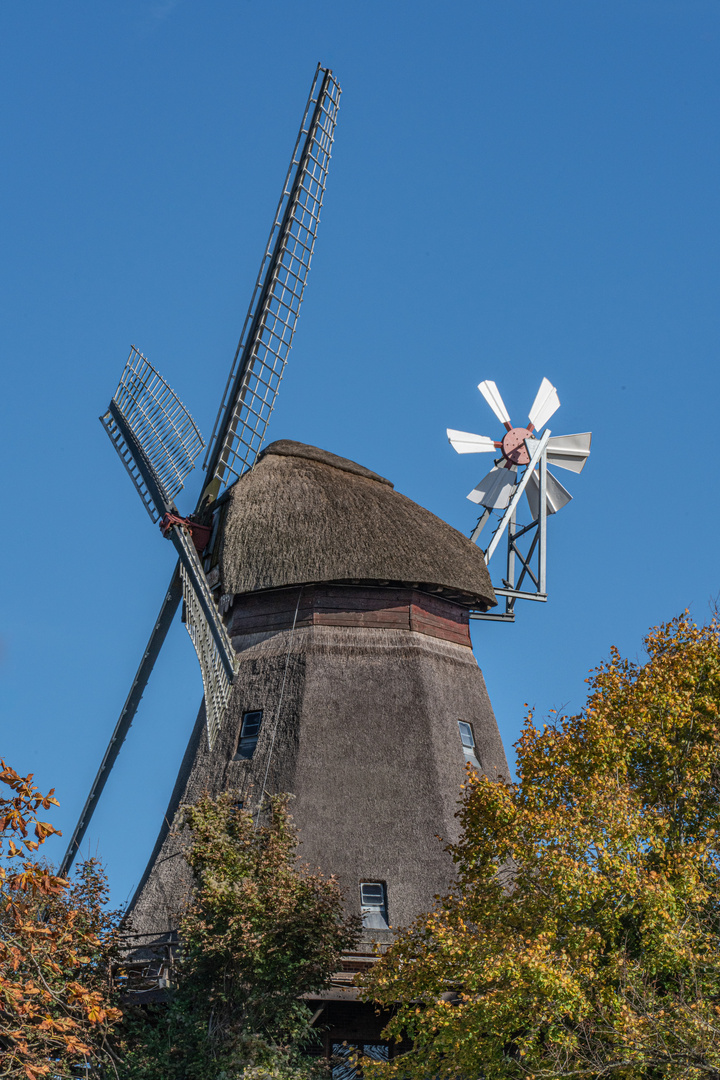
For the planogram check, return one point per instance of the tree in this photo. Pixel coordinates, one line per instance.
(56, 997)
(260, 932)
(582, 937)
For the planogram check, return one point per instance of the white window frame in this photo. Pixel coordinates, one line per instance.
(247, 757)
(374, 915)
(470, 752)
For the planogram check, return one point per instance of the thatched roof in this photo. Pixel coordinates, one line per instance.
(304, 515)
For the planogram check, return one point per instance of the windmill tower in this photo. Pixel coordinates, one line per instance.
(329, 614)
(347, 606)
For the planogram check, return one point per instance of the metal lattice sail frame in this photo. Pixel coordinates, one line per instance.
(155, 432)
(266, 339)
(207, 633)
(217, 683)
(163, 427)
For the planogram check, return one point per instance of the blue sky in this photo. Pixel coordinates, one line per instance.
(519, 189)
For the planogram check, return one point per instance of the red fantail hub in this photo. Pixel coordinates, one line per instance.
(513, 445)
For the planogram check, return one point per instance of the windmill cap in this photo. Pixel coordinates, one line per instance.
(289, 448)
(302, 515)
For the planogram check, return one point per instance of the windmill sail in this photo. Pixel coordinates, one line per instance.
(570, 451)
(152, 650)
(145, 415)
(217, 681)
(556, 495)
(490, 392)
(544, 406)
(266, 339)
(207, 633)
(160, 441)
(467, 443)
(495, 490)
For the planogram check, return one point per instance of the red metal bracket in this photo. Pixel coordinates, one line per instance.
(200, 534)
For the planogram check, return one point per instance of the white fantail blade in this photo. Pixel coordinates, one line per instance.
(545, 404)
(555, 494)
(495, 490)
(569, 451)
(491, 394)
(466, 443)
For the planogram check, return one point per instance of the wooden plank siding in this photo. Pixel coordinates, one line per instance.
(348, 605)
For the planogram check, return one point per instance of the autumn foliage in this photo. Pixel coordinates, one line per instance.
(55, 942)
(582, 937)
(261, 930)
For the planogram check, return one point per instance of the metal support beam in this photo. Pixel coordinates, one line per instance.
(518, 594)
(535, 455)
(480, 526)
(542, 525)
(511, 589)
(501, 616)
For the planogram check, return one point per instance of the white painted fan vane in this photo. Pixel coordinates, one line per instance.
(566, 451)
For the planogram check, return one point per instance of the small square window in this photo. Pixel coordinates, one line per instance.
(249, 732)
(373, 905)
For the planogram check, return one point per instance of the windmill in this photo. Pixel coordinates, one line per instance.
(158, 441)
(521, 468)
(329, 613)
(330, 617)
